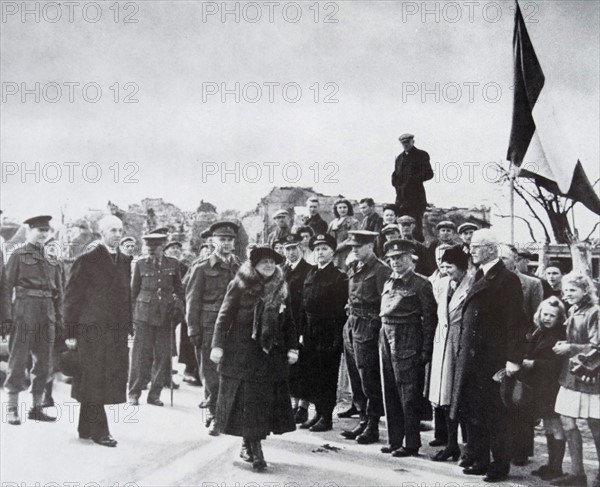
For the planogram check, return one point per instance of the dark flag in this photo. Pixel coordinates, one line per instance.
(536, 143)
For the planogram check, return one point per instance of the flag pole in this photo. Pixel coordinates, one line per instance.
(512, 202)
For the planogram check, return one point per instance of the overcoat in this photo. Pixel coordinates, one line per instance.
(97, 308)
(493, 332)
(410, 172)
(447, 340)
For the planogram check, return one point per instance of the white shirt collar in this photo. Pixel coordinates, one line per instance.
(293, 265)
(488, 265)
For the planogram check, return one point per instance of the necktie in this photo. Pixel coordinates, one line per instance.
(478, 275)
(451, 289)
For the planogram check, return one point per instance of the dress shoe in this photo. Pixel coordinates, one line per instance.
(551, 473)
(258, 462)
(495, 477)
(446, 453)
(133, 401)
(405, 452)
(204, 404)
(370, 434)
(353, 434)
(349, 413)
(301, 415)
(437, 442)
(246, 451)
(571, 480)
(475, 470)
(540, 471)
(213, 429)
(37, 414)
(155, 402)
(12, 416)
(106, 441)
(321, 425)
(311, 422)
(389, 448)
(466, 462)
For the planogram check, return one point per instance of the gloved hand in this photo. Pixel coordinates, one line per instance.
(196, 340)
(512, 368)
(216, 354)
(292, 356)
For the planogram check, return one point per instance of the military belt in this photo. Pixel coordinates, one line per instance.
(22, 292)
(398, 320)
(363, 312)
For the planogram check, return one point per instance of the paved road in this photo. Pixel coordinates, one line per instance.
(170, 447)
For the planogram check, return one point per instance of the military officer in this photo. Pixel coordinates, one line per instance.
(407, 227)
(204, 293)
(409, 318)
(34, 320)
(366, 278)
(156, 292)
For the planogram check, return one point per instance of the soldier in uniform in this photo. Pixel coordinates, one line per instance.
(204, 295)
(407, 227)
(295, 270)
(366, 278)
(409, 318)
(156, 292)
(34, 320)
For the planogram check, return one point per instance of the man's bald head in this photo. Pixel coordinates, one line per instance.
(111, 229)
(484, 246)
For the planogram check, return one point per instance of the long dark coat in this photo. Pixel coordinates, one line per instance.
(493, 332)
(254, 398)
(410, 172)
(98, 312)
(324, 297)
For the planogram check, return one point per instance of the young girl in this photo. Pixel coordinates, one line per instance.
(541, 369)
(577, 399)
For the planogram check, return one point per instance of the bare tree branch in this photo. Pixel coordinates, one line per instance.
(533, 213)
(523, 219)
(587, 239)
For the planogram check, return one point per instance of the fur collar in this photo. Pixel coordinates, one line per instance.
(273, 289)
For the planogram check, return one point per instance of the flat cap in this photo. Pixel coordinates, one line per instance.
(291, 240)
(223, 229)
(280, 213)
(175, 243)
(390, 228)
(446, 224)
(262, 252)
(360, 237)
(161, 230)
(405, 137)
(406, 220)
(42, 221)
(322, 238)
(398, 247)
(154, 239)
(457, 256)
(466, 227)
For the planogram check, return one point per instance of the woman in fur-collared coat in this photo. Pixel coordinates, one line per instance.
(255, 341)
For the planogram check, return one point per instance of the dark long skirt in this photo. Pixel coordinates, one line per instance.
(253, 410)
(321, 370)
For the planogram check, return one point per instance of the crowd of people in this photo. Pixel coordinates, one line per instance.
(456, 327)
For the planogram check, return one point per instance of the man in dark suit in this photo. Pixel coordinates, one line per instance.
(493, 338)
(98, 314)
(295, 269)
(411, 170)
(315, 221)
(371, 221)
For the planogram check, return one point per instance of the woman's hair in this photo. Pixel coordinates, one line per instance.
(345, 202)
(553, 302)
(582, 281)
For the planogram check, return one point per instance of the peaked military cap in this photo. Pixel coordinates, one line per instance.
(280, 213)
(161, 230)
(126, 239)
(390, 228)
(399, 246)
(457, 256)
(322, 238)
(154, 239)
(405, 137)
(290, 240)
(263, 252)
(360, 237)
(465, 227)
(446, 224)
(223, 229)
(406, 220)
(175, 243)
(42, 221)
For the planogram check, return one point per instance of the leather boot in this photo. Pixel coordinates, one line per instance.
(311, 422)
(258, 462)
(12, 415)
(246, 451)
(37, 414)
(540, 471)
(556, 453)
(324, 424)
(354, 433)
(371, 432)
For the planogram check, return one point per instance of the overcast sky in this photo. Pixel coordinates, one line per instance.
(375, 57)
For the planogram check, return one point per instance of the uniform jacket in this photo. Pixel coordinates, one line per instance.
(372, 223)
(493, 332)
(583, 328)
(205, 292)
(317, 223)
(408, 304)
(243, 356)
(365, 285)
(295, 281)
(533, 293)
(339, 228)
(98, 313)
(410, 172)
(447, 339)
(29, 269)
(324, 297)
(155, 289)
(278, 234)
